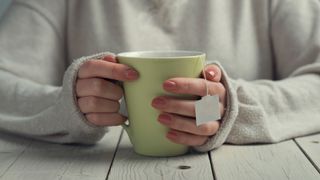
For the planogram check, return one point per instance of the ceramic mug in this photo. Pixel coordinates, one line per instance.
(146, 134)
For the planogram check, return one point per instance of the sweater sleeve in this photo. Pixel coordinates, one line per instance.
(36, 94)
(269, 111)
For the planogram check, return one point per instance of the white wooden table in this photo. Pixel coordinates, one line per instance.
(113, 158)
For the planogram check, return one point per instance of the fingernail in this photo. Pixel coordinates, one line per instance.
(170, 85)
(172, 135)
(131, 74)
(164, 118)
(158, 102)
(110, 58)
(211, 74)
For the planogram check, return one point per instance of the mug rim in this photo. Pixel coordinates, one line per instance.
(160, 54)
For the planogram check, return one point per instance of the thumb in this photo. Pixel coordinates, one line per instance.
(110, 58)
(213, 73)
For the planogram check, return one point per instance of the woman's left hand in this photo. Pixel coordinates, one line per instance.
(179, 115)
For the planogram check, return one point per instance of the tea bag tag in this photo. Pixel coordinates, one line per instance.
(123, 107)
(207, 109)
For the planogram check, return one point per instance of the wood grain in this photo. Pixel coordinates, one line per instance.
(53, 161)
(311, 147)
(274, 161)
(129, 165)
(11, 147)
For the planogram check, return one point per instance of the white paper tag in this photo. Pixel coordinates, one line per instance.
(123, 107)
(207, 109)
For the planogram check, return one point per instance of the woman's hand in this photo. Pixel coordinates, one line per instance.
(98, 95)
(179, 115)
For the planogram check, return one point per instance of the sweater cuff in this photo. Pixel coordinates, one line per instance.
(229, 117)
(80, 130)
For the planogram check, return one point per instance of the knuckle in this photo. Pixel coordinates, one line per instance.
(185, 86)
(93, 118)
(174, 106)
(184, 140)
(78, 87)
(81, 104)
(97, 86)
(91, 102)
(203, 85)
(112, 107)
(179, 125)
(207, 129)
(181, 139)
(114, 71)
(188, 86)
(88, 65)
(215, 88)
(117, 91)
(220, 86)
(86, 68)
(174, 124)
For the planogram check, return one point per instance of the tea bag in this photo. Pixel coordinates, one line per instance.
(207, 108)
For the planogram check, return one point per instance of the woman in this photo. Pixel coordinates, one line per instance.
(269, 49)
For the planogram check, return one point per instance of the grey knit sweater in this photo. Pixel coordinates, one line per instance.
(269, 51)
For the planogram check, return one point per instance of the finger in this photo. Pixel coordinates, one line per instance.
(110, 58)
(177, 106)
(106, 119)
(186, 138)
(92, 104)
(109, 70)
(98, 87)
(213, 73)
(188, 125)
(194, 86)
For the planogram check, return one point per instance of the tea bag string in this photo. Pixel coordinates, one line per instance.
(205, 79)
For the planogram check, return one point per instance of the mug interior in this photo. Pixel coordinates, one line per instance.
(160, 54)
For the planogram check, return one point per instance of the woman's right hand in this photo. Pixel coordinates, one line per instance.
(98, 94)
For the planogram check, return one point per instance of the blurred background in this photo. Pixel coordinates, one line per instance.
(3, 6)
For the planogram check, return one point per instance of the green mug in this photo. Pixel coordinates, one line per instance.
(146, 134)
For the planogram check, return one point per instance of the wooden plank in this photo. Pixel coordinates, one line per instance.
(129, 165)
(53, 161)
(274, 161)
(11, 147)
(311, 147)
